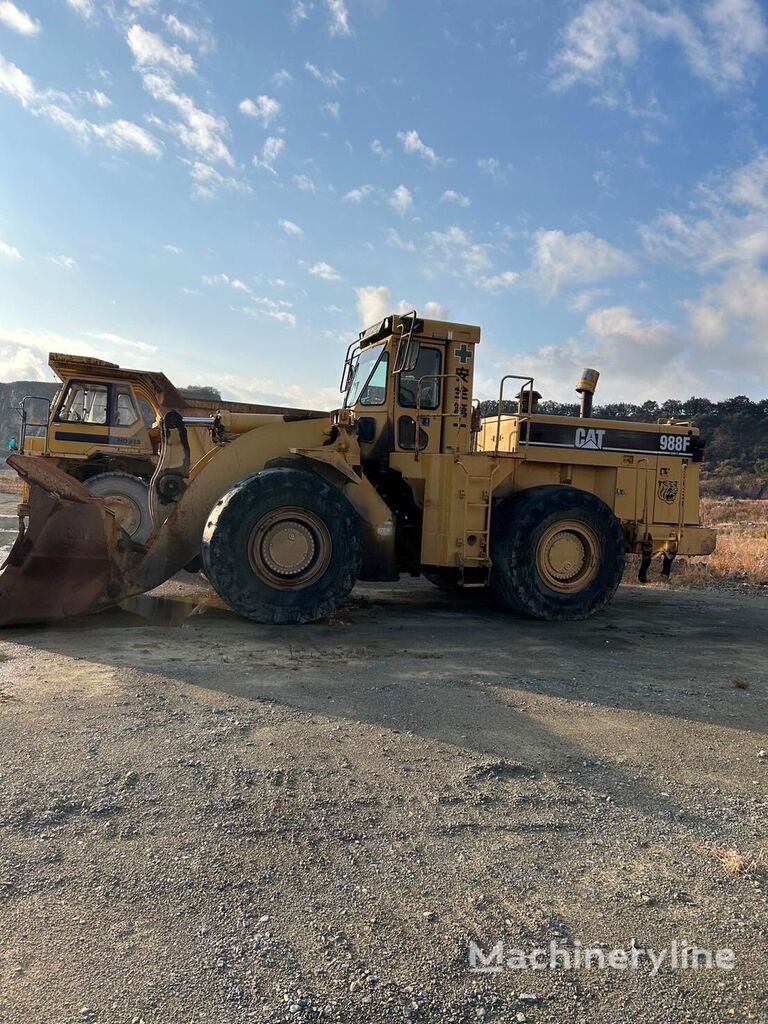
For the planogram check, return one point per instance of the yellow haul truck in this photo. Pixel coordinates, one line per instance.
(103, 428)
(289, 511)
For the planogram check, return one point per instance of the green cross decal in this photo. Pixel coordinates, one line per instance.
(463, 354)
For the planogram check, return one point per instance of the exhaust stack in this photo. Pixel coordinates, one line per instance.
(586, 388)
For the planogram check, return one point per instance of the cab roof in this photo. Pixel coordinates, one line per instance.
(442, 330)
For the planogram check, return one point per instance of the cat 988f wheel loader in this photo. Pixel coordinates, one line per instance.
(289, 511)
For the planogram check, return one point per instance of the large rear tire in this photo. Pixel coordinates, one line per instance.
(128, 497)
(283, 546)
(557, 553)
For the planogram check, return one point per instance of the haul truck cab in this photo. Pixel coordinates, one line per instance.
(103, 427)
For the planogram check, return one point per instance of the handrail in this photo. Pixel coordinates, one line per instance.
(520, 417)
(404, 342)
(23, 416)
(345, 381)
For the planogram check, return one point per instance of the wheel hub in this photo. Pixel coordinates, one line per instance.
(289, 548)
(127, 512)
(567, 556)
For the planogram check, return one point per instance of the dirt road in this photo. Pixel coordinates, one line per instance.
(204, 820)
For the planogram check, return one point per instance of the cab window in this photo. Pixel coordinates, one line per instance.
(124, 413)
(427, 396)
(84, 403)
(375, 391)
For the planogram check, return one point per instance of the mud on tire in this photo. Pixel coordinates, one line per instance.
(283, 546)
(557, 553)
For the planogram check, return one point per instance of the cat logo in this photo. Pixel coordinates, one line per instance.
(668, 490)
(589, 438)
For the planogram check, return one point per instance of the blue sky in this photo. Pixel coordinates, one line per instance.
(228, 191)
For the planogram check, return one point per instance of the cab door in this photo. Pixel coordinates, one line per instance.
(419, 396)
(127, 428)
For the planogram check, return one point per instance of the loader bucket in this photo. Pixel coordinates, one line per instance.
(69, 559)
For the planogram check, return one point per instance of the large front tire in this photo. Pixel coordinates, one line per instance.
(283, 546)
(557, 553)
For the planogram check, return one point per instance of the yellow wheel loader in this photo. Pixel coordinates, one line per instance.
(289, 511)
(102, 428)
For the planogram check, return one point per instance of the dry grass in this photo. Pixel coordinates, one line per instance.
(737, 864)
(741, 555)
(734, 512)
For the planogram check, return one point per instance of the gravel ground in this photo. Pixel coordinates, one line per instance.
(205, 820)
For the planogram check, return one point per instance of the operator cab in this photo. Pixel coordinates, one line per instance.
(406, 376)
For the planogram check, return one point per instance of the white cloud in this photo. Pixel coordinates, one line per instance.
(330, 78)
(374, 302)
(98, 99)
(357, 195)
(457, 254)
(394, 239)
(85, 8)
(215, 280)
(282, 317)
(722, 44)
(150, 50)
(378, 147)
(401, 199)
(65, 262)
(561, 259)
(199, 37)
(290, 228)
(499, 282)
(264, 108)
(17, 20)
(174, 250)
(123, 135)
(413, 144)
(492, 167)
(122, 342)
(10, 252)
(116, 135)
(282, 78)
(332, 109)
(304, 183)
(24, 352)
(207, 182)
(728, 225)
(271, 150)
(450, 196)
(18, 363)
(584, 300)
(324, 271)
(199, 131)
(339, 18)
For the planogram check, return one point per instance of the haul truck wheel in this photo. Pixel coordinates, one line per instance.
(283, 546)
(128, 497)
(557, 553)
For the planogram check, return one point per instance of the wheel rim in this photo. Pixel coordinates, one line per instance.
(290, 548)
(127, 512)
(568, 556)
